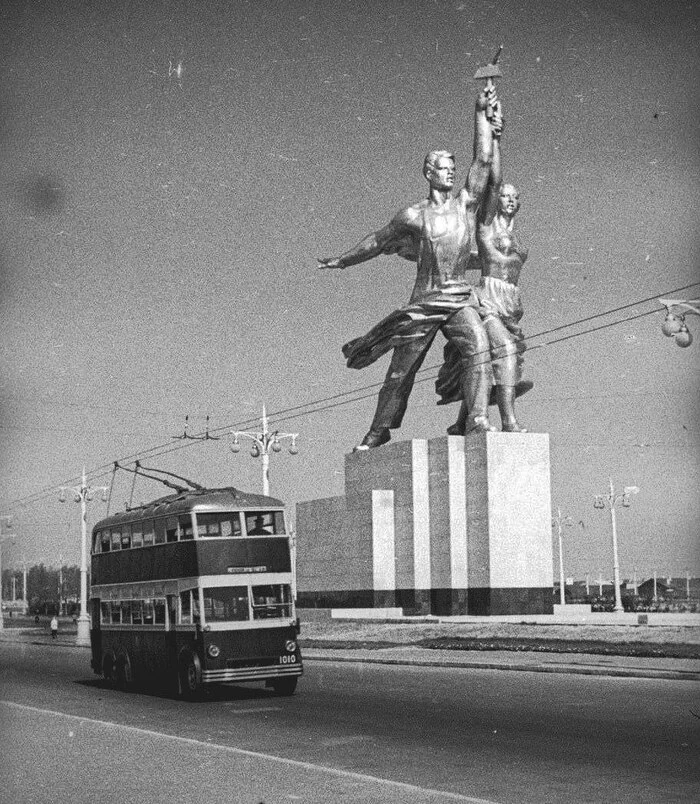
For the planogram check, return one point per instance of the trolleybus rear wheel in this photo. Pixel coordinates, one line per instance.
(122, 672)
(108, 668)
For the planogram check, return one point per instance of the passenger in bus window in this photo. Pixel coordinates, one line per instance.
(259, 528)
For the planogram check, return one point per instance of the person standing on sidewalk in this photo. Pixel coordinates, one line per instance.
(54, 627)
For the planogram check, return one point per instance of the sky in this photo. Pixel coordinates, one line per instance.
(172, 171)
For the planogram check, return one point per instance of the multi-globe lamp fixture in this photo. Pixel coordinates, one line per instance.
(674, 325)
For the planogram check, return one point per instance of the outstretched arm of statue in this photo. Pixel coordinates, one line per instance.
(489, 206)
(384, 241)
(480, 168)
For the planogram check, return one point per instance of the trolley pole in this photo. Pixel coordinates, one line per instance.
(83, 494)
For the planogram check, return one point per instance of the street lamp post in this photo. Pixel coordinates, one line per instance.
(8, 523)
(561, 522)
(83, 494)
(265, 442)
(613, 500)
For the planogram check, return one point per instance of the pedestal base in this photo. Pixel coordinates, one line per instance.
(448, 526)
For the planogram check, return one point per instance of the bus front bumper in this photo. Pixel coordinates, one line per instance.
(250, 673)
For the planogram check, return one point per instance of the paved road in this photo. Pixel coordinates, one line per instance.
(354, 732)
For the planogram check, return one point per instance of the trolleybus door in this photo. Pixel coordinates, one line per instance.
(170, 632)
(96, 634)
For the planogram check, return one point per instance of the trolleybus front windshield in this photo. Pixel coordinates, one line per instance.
(238, 603)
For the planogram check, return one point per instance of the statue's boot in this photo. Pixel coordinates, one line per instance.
(474, 411)
(479, 424)
(374, 438)
(505, 398)
(460, 426)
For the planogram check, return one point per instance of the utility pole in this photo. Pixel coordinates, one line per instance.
(612, 501)
(60, 584)
(25, 599)
(7, 521)
(264, 442)
(83, 494)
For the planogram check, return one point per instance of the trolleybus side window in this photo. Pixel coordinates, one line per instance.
(148, 611)
(172, 529)
(126, 537)
(159, 611)
(104, 541)
(189, 607)
(219, 524)
(178, 528)
(116, 539)
(148, 534)
(172, 610)
(137, 612)
(186, 606)
(160, 531)
(137, 535)
(133, 612)
(185, 527)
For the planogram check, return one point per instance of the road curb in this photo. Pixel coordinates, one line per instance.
(569, 669)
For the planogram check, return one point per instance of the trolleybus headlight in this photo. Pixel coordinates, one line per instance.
(213, 651)
(290, 645)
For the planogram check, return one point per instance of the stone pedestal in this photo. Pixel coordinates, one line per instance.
(448, 526)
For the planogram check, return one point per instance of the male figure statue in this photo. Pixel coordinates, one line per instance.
(502, 256)
(438, 233)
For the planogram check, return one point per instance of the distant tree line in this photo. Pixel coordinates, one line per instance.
(49, 590)
(678, 595)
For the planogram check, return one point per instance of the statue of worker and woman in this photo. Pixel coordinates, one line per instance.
(449, 236)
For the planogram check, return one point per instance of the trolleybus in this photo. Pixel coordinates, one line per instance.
(192, 589)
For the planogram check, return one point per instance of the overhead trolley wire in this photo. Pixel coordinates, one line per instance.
(359, 394)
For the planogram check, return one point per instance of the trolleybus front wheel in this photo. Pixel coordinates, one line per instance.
(190, 676)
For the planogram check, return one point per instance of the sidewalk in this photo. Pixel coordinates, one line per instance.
(530, 661)
(41, 636)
